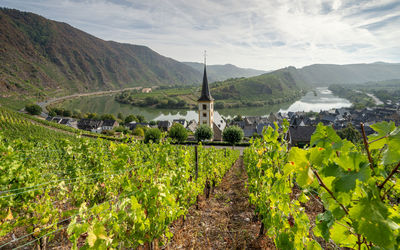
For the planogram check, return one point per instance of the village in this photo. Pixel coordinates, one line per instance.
(302, 124)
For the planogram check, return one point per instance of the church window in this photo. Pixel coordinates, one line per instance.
(204, 106)
(204, 114)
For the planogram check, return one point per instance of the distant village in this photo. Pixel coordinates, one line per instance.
(302, 124)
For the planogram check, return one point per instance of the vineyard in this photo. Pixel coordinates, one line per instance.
(59, 189)
(98, 193)
(355, 186)
(14, 125)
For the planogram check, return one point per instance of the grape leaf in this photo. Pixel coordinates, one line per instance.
(323, 221)
(342, 235)
(351, 160)
(346, 181)
(371, 220)
(392, 153)
(324, 136)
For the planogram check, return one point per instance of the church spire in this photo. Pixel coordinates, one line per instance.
(205, 92)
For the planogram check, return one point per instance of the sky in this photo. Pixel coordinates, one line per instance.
(260, 34)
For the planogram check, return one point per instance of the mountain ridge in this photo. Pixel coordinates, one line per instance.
(42, 56)
(221, 72)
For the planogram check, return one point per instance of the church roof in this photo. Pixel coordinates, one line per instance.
(205, 91)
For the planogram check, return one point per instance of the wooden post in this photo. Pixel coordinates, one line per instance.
(196, 172)
(197, 163)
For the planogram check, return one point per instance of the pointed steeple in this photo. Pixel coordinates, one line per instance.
(205, 92)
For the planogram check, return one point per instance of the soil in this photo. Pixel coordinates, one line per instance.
(224, 221)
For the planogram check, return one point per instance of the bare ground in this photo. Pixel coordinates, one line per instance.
(224, 221)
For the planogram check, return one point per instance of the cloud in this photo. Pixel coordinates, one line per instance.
(256, 33)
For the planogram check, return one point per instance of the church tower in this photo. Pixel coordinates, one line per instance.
(206, 102)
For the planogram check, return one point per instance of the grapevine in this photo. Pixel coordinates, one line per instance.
(357, 185)
(98, 193)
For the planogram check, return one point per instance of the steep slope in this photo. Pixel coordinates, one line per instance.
(224, 72)
(325, 74)
(39, 56)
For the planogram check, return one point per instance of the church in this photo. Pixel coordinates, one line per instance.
(206, 112)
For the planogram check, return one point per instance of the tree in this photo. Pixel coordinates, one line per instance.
(107, 117)
(153, 134)
(67, 113)
(138, 131)
(52, 112)
(233, 135)
(130, 118)
(350, 133)
(120, 116)
(140, 118)
(238, 118)
(178, 132)
(203, 132)
(152, 123)
(33, 109)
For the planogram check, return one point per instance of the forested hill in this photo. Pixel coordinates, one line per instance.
(325, 74)
(224, 72)
(39, 56)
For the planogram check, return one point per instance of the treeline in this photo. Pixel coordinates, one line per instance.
(157, 101)
(359, 99)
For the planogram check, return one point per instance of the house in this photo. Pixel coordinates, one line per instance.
(69, 122)
(218, 126)
(300, 136)
(109, 124)
(164, 125)
(183, 122)
(261, 126)
(146, 90)
(133, 125)
(90, 125)
(192, 126)
(56, 119)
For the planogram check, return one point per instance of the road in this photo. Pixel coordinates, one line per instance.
(44, 104)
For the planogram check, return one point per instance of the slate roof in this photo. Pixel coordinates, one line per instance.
(205, 92)
(133, 125)
(88, 124)
(109, 123)
(301, 134)
(64, 121)
(261, 126)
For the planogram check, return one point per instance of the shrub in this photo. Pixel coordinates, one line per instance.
(203, 132)
(138, 131)
(178, 132)
(233, 135)
(153, 134)
(33, 109)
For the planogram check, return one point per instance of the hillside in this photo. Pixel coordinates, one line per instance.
(40, 57)
(272, 88)
(325, 74)
(224, 72)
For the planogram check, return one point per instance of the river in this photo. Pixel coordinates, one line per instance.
(323, 99)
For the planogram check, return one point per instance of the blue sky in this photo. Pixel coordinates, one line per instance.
(261, 34)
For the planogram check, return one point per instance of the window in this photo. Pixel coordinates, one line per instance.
(211, 106)
(204, 106)
(204, 122)
(204, 114)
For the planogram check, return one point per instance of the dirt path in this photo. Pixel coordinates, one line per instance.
(224, 221)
